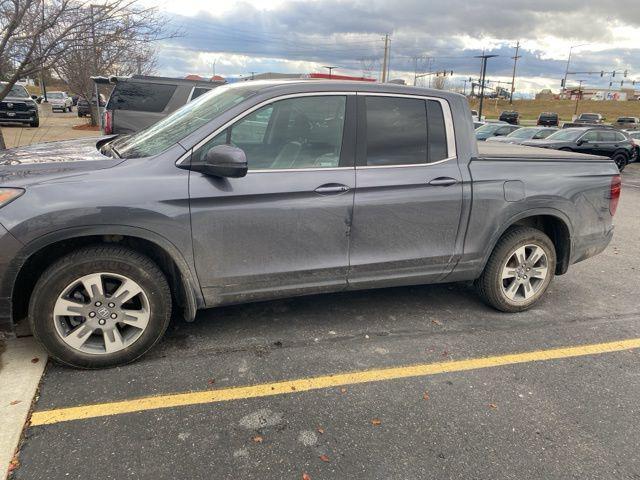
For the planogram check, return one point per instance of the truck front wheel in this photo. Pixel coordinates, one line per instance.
(100, 307)
(519, 270)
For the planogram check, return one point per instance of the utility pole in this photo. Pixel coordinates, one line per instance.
(139, 63)
(385, 60)
(513, 78)
(578, 96)
(483, 74)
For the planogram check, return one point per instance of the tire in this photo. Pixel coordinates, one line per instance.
(505, 294)
(79, 115)
(35, 123)
(621, 160)
(80, 340)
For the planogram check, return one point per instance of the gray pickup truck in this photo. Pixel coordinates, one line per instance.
(267, 189)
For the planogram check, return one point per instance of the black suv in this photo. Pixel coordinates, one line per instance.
(602, 141)
(511, 117)
(548, 119)
(19, 107)
(84, 109)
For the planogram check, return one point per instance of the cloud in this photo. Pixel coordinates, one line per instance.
(299, 35)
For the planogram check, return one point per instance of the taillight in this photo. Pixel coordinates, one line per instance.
(108, 125)
(614, 194)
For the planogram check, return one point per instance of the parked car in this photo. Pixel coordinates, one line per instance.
(140, 101)
(494, 130)
(548, 119)
(477, 124)
(60, 101)
(634, 135)
(627, 123)
(511, 117)
(84, 109)
(523, 134)
(586, 119)
(261, 190)
(592, 140)
(19, 107)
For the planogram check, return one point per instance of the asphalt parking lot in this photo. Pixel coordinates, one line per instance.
(568, 410)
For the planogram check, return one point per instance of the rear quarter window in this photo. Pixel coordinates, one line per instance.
(141, 97)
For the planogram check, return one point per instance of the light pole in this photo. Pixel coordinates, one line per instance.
(566, 72)
(578, 96)
(330, 68)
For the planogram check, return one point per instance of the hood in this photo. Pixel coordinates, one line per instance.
(39, 162)
(541, 143)
(501, 139)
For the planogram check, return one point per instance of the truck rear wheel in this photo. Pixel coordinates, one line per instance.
(519, 270)
(100, 307)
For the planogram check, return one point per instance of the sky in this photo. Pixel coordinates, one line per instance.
(234, 38)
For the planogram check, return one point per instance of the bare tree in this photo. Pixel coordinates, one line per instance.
(120, 46)
(439, 83)
(39, 34)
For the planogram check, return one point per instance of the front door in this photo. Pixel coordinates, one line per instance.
(285, 226)
(408, 199)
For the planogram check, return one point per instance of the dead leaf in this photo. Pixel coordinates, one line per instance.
(306, 476)
(343, 390)
(375, 422)
(445, 353)
(493, 405)
(320, 430)
(257, 439)
(425, 396)
(293, 387)
(324, 458)
(211, 381)
(35, 360)
(13, 465)
(15, 402)
(436, 322)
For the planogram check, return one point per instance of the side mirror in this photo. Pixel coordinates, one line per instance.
(34, 97)
(223, 161)
(581, 142)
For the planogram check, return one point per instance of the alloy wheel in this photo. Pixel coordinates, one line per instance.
(101, 313)
(525, 272)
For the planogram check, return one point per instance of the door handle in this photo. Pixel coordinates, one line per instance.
(443, 182)
(332, 189)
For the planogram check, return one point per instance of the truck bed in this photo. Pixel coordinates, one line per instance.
(506, 151)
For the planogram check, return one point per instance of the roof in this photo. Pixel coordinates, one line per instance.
(178, 81)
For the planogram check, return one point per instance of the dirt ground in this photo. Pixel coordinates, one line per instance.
(53, 126)
(530, 109)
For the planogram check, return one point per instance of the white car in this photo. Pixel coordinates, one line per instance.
(60, 101)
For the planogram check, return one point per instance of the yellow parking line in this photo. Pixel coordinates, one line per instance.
(48, 417)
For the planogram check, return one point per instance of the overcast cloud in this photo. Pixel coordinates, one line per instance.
(302, 36)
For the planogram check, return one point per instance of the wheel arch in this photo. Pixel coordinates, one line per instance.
(552, 222)
(39, 254)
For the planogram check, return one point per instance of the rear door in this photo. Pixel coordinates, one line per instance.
(408, 198)
(137, 105)
(285, 226)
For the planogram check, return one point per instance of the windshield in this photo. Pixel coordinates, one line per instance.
(489, 128)
(523, 133)
(183, 122)
(589, 116)
(626, 120)
(18, 91)
(54, 95)
(567, 135)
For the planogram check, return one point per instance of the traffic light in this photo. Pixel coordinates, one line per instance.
(613, 74)
(626, 72)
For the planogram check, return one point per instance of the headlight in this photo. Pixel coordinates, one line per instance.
(8, 195)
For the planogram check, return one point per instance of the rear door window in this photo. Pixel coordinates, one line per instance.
(141, 97)
(396, 131)
(197, 91)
